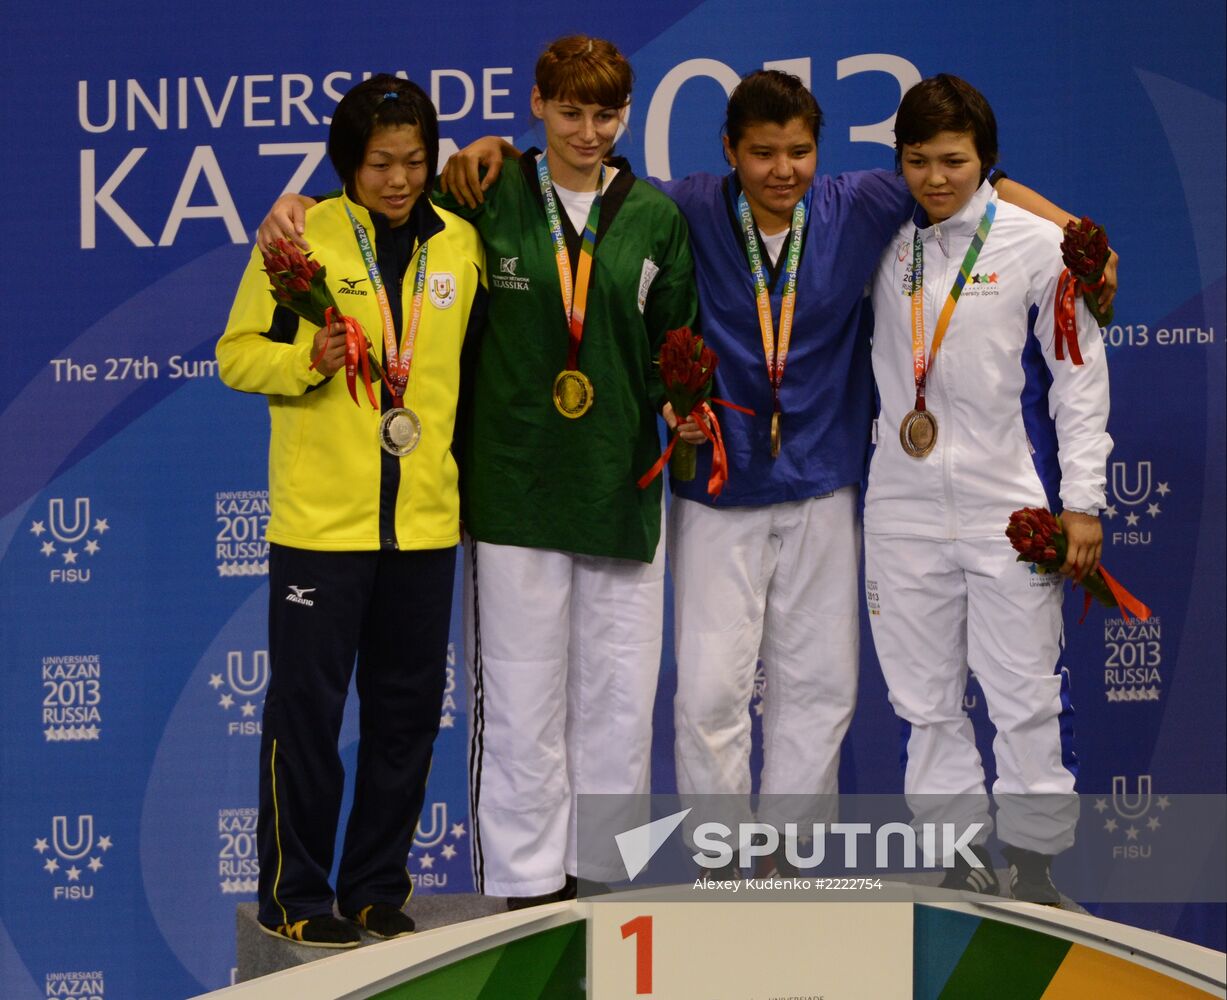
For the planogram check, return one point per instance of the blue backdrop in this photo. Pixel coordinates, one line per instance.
(146, 142)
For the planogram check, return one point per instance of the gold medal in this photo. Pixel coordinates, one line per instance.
(775, 434)
(573, 393)
(400, 430)
(918, 433)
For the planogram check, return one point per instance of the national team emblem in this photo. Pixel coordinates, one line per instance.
(442, 289)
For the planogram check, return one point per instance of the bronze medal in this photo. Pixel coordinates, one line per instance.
(775, 434)
(573, 393)
(918, 433)
(400, 430)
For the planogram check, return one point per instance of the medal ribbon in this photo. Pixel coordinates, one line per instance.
(574, 299)
(398, 361)
(775, 348)
(919, 367)
(1125, 601)
(1066, 318)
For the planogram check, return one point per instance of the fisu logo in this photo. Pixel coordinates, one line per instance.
(1134, 487)
(67, 847)
(247, 679)
(65, 532)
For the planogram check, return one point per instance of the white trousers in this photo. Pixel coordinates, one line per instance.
(779, 583)
(562, 655)
(938, 607)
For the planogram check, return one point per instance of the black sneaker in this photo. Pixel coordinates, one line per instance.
(384, 920)
(569, 890)
(317, 932)
(968, 879)
(1031, 876)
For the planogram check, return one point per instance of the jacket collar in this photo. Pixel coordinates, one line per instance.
(963, 223)
(423, 222)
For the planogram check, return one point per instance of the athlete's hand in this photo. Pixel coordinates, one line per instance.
(1108, 292)
(688, 430)
(1084, 544)
(461, 177)
(331, 340)
(286, 220)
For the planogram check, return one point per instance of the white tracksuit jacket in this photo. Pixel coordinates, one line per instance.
(984, 465)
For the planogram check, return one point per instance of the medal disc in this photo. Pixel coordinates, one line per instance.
(918, 433)
(400, 430)
(775, 435)
(573, 393)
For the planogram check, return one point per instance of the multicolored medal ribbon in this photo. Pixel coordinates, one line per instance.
(775, 348)
(400, 429)
(918, 431)
(573, 392)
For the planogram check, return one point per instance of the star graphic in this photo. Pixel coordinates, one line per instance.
(1110, 511)
(51, 866)
(758, 708)
(1153, 823)
(1131, 833)
(1153, 510)
(448, 852)
(226, 700)
(1113, 694)
(48, 548)
(248, 710)
(101, 526)
(70, 557)
(1163, 489)
(1163, 802)
(40, 845)
(457, 830)
(447, 721)
(992, 278)
(94, 865)
(93, 732)
(1110, 825)
(1132, 519)
(215, 681)
(104, 843)
(426, 862)
(37, 528)
(1101, 806)
(73, 873)
(92, 546)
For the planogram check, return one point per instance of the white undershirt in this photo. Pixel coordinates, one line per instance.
(773, 244)
(579, 203)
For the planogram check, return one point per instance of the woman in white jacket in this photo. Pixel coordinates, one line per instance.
(980, 414)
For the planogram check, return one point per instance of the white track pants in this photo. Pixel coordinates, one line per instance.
(563, 655)
(938, 607)
(777, 582)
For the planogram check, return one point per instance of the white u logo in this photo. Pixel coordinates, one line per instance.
(438, 826)
(1122, 491)
(242, 684)
(80, 524)
(1131, 806)
(81, 846)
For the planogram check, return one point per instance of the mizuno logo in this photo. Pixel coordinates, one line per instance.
(298, 595)
(353, 282)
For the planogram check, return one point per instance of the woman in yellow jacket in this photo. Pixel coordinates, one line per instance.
(364, 519)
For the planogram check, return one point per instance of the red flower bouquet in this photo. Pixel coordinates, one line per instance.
(1086, 252)
(686, 369)
(298, 284)
(1038, 538)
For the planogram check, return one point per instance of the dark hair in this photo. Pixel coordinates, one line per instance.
(584, 69)
(383, 101)
(769, 95)
(944, 103)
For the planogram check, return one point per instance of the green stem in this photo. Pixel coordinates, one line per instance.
(683, 461)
